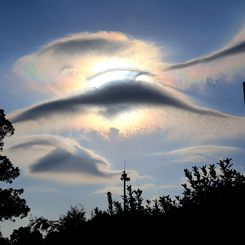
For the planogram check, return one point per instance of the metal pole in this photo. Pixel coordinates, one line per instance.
(244, 91)
(124, 178)
(124, 192)
(124, 186)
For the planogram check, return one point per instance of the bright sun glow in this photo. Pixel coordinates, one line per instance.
(107, 77)
(114, 70)
(110, 70)
(109, 64)
(105, 71)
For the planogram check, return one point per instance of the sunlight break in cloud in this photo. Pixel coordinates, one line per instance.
(63, 159)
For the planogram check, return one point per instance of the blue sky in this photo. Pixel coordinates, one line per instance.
(73, 132)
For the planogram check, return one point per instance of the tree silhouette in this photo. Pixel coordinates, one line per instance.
(214, 191)
(212, 200)
(3, 240)
(11, 204)
(24, 235)
(74, 218)
(67, 228)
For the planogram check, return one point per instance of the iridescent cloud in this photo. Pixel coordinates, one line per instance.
(66, 64)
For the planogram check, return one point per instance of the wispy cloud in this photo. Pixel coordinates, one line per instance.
(226, 64)
(234, 49)
(198, 154)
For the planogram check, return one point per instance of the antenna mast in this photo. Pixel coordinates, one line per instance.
(244, 91)
(124, 178)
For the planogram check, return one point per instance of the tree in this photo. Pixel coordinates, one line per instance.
(212, 202)
(3, 240)
(211, 190)
(66, 229)
(11, 204)
(24, 235)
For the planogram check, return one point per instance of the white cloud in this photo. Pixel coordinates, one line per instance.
(197, 154)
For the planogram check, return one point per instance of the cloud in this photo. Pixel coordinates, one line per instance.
(226, 52)
(197, 154)
(64, 66)
(68, 67)
(132, 107)
(64, 159)
(226, 64)
(101, 42)
(128, 93)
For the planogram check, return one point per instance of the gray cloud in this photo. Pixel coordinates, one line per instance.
(235, 49)
(81, 44)
(64, 156)
(63, 159)
(118, 93)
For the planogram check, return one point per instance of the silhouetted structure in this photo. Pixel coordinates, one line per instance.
(244, 91)
(124, 178)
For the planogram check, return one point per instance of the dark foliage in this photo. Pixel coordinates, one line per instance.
(3, 240)
(214, 192)
(11, 204)
(212, 204)
(24, 235)
(6, 128)
(7, 171)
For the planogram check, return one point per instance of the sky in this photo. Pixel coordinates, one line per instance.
(90, 85)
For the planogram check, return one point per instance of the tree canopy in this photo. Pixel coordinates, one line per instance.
(212, 200)
(11, 204)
